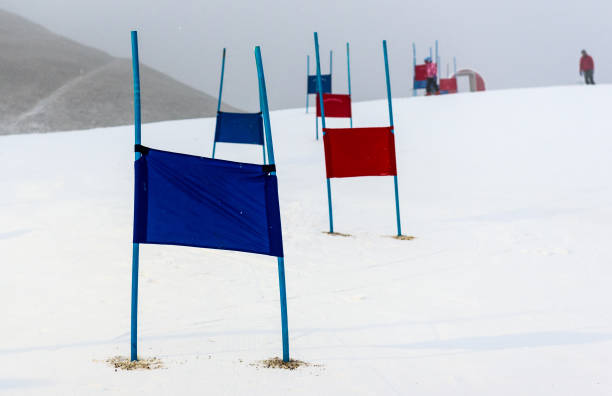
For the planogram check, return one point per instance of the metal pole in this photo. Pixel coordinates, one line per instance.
(348, 66)
(320, 88)
(283, 298)
(281, 262)
(414, 91)
(221, 82)
(437, 61)
(263, 146)
(307, 75)
(135, 246)
(220, 93)
(397, 209)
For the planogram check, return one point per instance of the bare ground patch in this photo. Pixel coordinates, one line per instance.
(337, 234)
(278, 363)
(403, 237)
(124, 363)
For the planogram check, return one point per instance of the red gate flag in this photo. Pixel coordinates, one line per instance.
(420, 73)
(448, 84)
(335, 105)
(352, 152)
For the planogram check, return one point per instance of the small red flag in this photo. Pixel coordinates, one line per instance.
(335, 105)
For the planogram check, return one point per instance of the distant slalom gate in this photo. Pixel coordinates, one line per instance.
(446, 85)
(337, 105)
(245, 128)
(420, 73)
(311, 80)
(354, 152)
(210, 203)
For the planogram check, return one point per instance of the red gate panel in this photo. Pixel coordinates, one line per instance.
(336, 106)
(448, 84)
(352, 152)
(420, 73)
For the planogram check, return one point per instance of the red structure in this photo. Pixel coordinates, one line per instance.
(477, 83)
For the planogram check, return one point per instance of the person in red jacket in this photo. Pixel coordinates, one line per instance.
(587, 68)
(432, 76)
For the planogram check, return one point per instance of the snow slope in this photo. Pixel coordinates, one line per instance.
(504, 291)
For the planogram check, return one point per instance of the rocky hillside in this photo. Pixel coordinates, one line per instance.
(50, 83)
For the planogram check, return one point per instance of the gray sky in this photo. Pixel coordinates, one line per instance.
(515, 43)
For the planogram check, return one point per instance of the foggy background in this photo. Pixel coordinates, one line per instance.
(520, 43)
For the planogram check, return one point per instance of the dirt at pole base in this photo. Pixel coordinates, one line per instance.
(124, 363)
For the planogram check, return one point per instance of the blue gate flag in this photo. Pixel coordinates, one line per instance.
(325, 82)
(239, 128)
(187, 200)
(420, 84)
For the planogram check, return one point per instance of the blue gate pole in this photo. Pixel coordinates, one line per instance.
(307, 75)
(281, 262)
(455, 64)
(135, 246)
(414, 91)
(320, 89)
(430, 53)
(261, 110)
(348, 66)
(437, 61)
(219, 102)
(397, 208)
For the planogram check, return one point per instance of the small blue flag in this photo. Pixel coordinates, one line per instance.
(244, 128)
(326, 80)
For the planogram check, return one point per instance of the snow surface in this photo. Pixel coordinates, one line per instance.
(504, 291)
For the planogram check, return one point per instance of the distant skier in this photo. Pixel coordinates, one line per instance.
(432, 76)
(587, 68)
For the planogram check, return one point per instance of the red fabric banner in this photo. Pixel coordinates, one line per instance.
(352, 152)
(448, 84)
(335, 105)
(420, 72)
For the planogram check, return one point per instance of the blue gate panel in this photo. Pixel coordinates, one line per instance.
(202, 202)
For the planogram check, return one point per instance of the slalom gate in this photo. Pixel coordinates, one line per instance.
(311, 80)
(201, 202)
(354, 152)
(245, 128)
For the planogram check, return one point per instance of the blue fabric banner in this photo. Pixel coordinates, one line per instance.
(420, 84)
(194, 201)
(239, 128)
(325, 82)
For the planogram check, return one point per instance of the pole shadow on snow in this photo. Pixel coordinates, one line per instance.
(14, 233)
(21, 383)
(509, 341)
